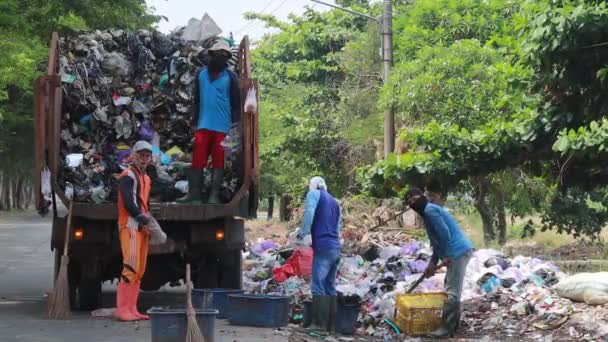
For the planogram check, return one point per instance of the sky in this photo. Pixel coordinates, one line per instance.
(228, 14)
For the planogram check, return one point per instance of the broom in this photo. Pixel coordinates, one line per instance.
(194, 332)
(59, 299)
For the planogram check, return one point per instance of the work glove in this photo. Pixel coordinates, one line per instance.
(143, 221)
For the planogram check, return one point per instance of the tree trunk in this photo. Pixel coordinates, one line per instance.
(284, 210)
(18, 194)
(501, 216)
(484, 211)
(270, 207)
(6, 192)
(1, 191)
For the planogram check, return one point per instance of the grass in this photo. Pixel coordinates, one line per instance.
(545, 241)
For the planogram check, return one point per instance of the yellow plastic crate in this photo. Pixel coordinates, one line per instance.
(419, 313)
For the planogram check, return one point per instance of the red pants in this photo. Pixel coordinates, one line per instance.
(208, 142)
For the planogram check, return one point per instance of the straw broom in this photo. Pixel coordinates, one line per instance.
(59, 299)
(194, 332)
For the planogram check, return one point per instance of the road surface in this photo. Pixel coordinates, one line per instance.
(26, 267)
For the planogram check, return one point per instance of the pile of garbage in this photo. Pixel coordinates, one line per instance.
(120, 87)
(502, 296)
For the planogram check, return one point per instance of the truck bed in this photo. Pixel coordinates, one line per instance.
(48, 112)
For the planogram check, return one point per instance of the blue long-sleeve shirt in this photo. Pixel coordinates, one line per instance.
(447, 238)
(310, 209)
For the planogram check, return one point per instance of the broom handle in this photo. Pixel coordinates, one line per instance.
(67, 229)
(188, 287)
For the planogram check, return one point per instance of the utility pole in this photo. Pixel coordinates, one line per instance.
(387, 61)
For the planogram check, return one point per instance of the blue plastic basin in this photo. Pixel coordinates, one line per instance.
(346, 318)
(220, 300)
(170, 325)
(259, 310)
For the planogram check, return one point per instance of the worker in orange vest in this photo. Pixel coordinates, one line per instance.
(133, 195)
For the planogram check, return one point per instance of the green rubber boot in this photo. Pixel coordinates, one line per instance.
(321, 306)
(195, 185)
(216, 183)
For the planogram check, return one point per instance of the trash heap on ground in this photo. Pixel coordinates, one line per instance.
(501, 297)
(120, 87)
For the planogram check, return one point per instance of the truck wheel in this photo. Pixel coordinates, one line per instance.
(207, 276)
(89, 294)
(231, 271)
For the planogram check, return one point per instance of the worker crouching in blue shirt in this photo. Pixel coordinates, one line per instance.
(452, 247)
(322, 221)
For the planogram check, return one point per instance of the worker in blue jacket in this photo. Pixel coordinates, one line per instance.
(322, 221)
(452, 247)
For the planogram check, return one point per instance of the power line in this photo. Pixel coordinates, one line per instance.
(262, 12)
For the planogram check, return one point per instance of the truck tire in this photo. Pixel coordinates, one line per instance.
(89, 294)
(231, 271)
(207, 277)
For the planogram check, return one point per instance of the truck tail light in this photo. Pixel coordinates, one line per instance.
(78, 233)
(219, 234)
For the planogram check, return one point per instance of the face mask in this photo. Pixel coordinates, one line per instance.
(419, 205)
(218, 63)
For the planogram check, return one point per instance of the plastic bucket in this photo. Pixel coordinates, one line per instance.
(220, 300)
(170, 325)
(346, 318)
(259, 310)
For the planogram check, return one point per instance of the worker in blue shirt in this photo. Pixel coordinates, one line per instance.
(322, 221)
(452, 247)
(216, 110)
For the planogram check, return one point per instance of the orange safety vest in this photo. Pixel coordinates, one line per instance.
(142, 185)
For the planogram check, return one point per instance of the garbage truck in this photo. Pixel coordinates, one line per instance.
(209, 237)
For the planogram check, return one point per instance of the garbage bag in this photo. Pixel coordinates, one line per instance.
(157, 236)
(591, 288)
(116, 64)
(299, 264)
(251, 101)
(199, 30)
(45, 182)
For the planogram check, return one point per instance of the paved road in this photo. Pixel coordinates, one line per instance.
(26, 266)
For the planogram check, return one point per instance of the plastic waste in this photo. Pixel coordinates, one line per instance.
(116, 64)
(74, 159)
(251, 101)
(104, 312)
(174, 152)
(182, 186)
(410, 248)
(591, 288)
(198, 30)
(45, 182)
(491, 285)
(298, 264)
(120, 100)
(157, 235)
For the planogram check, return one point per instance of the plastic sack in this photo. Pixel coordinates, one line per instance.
(74, 159)
(251, 101)
(157, 236)
(182, 186)
(116, 64)
(299, 264)
(45, 182)
(591, 288)
(146, 131)
(199, 30)
(298, 244)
